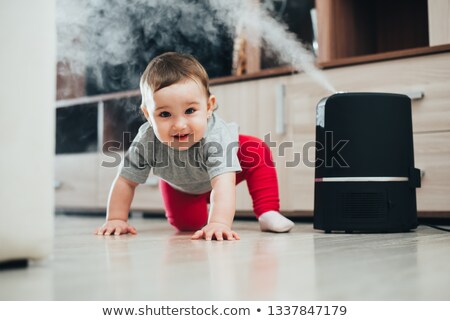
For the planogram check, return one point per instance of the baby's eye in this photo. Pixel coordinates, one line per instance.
(190, 111)
(164, 114)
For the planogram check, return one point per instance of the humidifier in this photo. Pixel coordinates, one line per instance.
(365, 179)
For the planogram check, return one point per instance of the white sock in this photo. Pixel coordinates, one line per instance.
(272, 221)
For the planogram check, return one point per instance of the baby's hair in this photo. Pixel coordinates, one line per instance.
(170, 68)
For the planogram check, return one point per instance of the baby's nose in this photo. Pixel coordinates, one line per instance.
(180, 123)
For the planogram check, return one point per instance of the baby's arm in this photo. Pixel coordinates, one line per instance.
(223, 207)
(119, 202)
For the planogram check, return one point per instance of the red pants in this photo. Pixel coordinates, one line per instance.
(188, 212)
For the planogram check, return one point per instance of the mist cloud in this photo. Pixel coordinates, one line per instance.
(94, 33)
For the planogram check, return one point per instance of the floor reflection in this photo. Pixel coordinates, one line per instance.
(160, 264)
(366, 266)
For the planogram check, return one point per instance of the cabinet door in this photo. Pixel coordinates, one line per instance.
(252, 105)
(76, 177)
(432, 157)
(237, 102)
(274, 128)
(302, 96)
(294, 145)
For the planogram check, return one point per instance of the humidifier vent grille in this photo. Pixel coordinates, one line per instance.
(363, 205)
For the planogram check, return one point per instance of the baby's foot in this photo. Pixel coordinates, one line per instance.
(272, 221)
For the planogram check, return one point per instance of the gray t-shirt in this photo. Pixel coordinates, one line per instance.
(189, 170)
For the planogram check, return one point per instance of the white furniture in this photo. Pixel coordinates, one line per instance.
(27, 94)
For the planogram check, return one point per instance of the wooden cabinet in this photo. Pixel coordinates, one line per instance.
(257, 107)
(350, 28)
(354, 32)
(83, 183)
(428, 76)
(283, 108)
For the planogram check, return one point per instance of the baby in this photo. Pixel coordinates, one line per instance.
(199, 157)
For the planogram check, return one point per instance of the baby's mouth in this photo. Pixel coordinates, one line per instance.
(181, 137)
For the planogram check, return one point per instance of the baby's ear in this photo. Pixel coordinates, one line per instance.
(145, 111)
(211, 104)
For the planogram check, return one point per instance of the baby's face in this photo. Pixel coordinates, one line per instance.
(179, 113)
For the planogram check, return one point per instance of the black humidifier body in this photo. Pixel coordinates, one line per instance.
(365, 180)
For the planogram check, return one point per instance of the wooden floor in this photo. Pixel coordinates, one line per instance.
(159, 264)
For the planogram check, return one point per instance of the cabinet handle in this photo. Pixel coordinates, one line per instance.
(415, 95)
(280, 127)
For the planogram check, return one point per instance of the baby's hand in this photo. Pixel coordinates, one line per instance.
(115, 226)
(218, 230)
